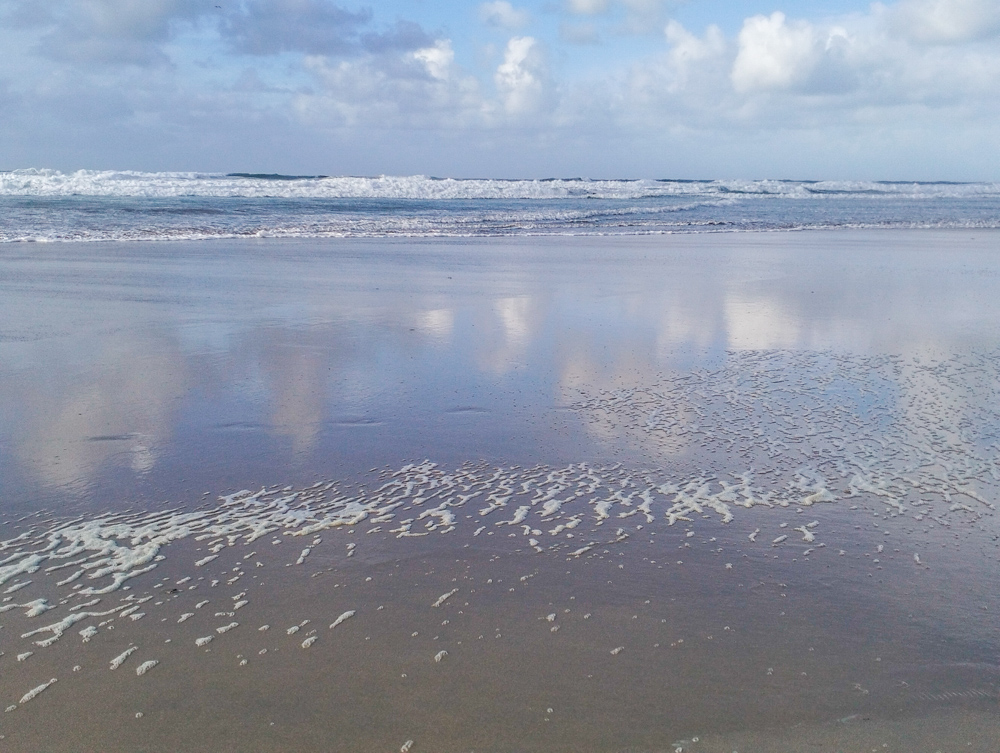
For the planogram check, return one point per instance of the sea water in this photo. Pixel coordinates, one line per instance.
(45, 205)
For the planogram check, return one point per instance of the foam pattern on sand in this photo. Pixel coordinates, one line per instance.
(918, 434)
(775, 432)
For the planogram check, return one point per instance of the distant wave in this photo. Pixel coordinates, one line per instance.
(107, 183)
(51, 206)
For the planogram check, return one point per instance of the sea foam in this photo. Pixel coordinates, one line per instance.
(45, 182)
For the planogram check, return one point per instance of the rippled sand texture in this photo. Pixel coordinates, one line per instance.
(779, 549)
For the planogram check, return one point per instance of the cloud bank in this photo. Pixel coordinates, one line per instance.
(909, 89)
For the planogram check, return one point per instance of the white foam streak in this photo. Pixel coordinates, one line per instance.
(145, 667)
(444, 597)
(120, 659)
(57, 629)
(35, 692)
(25, 566)
(342, 619)
(34, 607)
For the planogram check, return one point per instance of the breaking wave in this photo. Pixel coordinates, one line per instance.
(87, 205)
(42, 182)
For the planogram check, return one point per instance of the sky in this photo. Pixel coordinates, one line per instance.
(831, 89)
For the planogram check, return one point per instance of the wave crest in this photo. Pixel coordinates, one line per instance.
(127, 183)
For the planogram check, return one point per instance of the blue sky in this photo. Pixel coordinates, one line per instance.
(601, 88)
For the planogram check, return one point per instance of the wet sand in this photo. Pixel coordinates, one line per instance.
(710, 492)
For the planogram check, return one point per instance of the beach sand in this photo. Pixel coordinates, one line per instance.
(727, 492)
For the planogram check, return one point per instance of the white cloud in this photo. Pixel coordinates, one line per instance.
(503, 15)
(316, 27)
(773, 54)
(643, 16)
(520, 78)
(861, 64)
(437, 59)
(418, 89)
(688, 50)
(587, 7)
(104, 31)
(620, 17)
(150, 83)
(946, 21)
(270, 27)
(135, 32)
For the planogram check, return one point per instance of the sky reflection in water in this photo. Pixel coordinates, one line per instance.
(173, 368)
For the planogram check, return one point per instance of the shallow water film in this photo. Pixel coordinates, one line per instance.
(705, 493)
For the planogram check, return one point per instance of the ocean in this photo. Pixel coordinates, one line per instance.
(46, 205)
(569, 466)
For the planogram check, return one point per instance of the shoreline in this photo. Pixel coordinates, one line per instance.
(477, 238)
